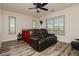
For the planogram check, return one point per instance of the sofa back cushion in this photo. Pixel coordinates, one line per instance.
(35, 32)
(44, 32)
(38, 32)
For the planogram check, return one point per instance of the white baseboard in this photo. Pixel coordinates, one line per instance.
(64, 41)
(9, 40)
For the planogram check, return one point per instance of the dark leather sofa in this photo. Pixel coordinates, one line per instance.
(40, 39)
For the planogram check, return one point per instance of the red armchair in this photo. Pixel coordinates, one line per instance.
(25, 35)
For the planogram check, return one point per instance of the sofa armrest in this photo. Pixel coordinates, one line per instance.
(34, 42)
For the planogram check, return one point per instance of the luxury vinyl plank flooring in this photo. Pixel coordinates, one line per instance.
(23, 49)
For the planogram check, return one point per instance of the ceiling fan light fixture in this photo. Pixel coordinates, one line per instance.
(39, 9)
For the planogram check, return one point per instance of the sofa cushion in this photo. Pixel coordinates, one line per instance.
(44, 32)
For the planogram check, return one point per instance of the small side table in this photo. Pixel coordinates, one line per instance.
(19, 36)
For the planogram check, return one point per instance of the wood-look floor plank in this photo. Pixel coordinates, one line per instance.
(54, 49)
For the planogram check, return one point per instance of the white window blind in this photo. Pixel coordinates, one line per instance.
(12, 25)
(56, 25)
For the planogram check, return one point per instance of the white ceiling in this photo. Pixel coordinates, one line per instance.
(23, 8)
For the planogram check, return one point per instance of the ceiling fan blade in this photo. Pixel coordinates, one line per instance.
(38, 3)
(35, 4)
(33, 8)
(44, 9)
(43, 4)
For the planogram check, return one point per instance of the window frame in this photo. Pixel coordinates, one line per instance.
(14, 25)
(53, 25)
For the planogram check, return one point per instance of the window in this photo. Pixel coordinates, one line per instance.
(33, 24)
(12, 25)
(56, 25)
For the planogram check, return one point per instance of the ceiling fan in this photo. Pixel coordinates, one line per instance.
(39, 6)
